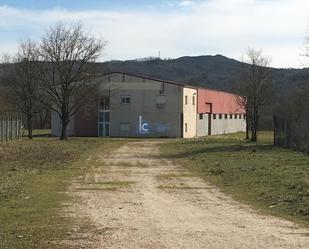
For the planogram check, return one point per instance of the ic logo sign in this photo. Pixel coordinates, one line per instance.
(143, 127)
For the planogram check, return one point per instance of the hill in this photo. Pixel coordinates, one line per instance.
(217, 72)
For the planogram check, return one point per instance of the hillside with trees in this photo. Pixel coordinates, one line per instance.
(217, 72)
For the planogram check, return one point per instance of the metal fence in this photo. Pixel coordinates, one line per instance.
(10, 128)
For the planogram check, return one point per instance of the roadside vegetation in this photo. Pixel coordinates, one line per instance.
(272, 179)
(34, 176)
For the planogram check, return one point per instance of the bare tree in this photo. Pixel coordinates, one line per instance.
(66, 51)
(255, 88)
(291, 116)
(303, 87)
(241, 101)
(21, 76)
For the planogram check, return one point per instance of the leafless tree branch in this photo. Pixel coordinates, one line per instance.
(66, 50)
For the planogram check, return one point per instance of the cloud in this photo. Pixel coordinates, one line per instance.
(182, 3)
(193, 28)
(185, 3)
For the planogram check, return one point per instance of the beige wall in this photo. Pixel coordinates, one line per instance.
(143, 108)
(144, 95)
(177, 118)
(189, 112)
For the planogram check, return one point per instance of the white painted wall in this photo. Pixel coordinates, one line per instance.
(202, 125)
(220, 126)
(189, 113)
(226, 126)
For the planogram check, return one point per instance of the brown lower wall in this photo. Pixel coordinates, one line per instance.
(86, 120)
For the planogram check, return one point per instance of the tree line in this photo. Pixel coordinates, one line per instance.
(291, 115)
(290, 107)
(50, 74)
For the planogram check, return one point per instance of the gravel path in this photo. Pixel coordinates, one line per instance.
(136, 199)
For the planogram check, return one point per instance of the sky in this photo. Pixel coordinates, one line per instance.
(137, 29)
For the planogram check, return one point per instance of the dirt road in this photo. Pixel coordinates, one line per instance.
(136, 199)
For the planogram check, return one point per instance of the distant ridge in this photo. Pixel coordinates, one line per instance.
(211, 71)
(217, 72)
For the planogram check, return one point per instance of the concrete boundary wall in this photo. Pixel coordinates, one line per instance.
(226, 126)
(232, 124)
(202, 124)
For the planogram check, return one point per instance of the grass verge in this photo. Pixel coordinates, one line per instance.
(34, 176)
(272, 179)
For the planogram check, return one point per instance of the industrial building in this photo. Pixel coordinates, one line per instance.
(128, 105)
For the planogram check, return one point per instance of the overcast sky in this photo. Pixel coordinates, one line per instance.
(135, 29)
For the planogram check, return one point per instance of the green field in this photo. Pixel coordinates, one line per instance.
(34, 176)
(273, 180)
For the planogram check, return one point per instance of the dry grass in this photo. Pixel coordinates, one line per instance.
(34, 176)
(272, 179)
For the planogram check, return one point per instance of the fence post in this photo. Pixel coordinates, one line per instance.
(16, 128)
(3, 128)
(1, 131)
(7, 129)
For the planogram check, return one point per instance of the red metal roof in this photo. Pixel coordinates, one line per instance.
(218, 102)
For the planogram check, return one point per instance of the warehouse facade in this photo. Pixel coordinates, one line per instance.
(129, 105)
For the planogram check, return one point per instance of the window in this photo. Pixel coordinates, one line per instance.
(104, 117)
(235, 116)
(186, 100)
(162, 88)
(214, 116)
(201, 116)
(239, 116)
(186, 127)
(103, 129)
(220, 116)
(231, 116)
(225, 116)
(161, 99)
(125, 127)
(106, 130)
(245, 117)
(125, 100)
(160, 106)
(193, 100)
(161, 102)
(161, 128)
(104, 103)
